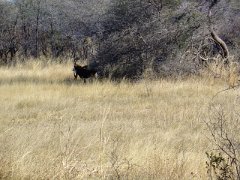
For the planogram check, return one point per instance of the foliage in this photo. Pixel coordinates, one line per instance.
(143, 37)
(128, 37)
(218, 167)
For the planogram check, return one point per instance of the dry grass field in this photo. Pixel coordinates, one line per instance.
(52, 127)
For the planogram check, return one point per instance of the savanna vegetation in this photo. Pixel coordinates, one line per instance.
(122, 38)
(53, 127)
(165, 104)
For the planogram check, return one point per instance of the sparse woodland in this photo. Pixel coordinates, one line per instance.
(165, 104)
(123, 38)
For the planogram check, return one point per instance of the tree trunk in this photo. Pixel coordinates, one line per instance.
(220, 42)
(37, 31)
(216, 38)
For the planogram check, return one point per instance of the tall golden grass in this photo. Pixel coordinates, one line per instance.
(52, 127)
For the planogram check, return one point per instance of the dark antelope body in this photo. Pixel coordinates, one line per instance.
(83, 72)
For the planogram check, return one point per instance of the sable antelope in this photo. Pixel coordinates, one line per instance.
(83, 72)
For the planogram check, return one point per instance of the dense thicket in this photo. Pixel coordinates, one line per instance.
(122, 38)
(163, 38)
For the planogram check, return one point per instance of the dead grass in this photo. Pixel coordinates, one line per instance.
(52, 127)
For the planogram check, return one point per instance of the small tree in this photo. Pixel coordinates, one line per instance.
(224, 127)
